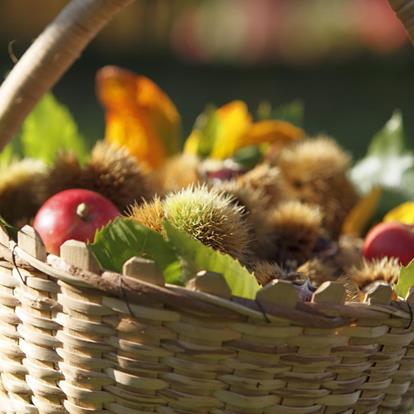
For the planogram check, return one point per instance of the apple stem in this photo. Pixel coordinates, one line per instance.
(82, 211)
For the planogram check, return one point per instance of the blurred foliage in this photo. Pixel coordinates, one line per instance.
(241, 31)
(342, 58)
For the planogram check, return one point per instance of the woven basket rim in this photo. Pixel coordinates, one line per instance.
(134, 291)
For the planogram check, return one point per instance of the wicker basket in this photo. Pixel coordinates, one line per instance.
(74, 339)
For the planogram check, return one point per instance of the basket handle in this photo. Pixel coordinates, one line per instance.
(48, 58)
(60, 45)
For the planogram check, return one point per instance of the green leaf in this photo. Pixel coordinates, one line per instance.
(208, 125)
(406, 280)
(124, 238)
(7, 155)
(292, 112)
(10, 230)
(264, 111)
(390, 139)
(201, 257)
(13, 151)
(387, 160)
(248, 157)
(48, 129)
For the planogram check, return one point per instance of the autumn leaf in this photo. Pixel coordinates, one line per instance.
(139, 115)
(404, 213)
(220, 133)
(271, 132)
(234, 122)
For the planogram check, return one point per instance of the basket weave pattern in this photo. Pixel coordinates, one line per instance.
(66, 347)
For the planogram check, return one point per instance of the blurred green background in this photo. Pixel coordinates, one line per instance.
(347, 60)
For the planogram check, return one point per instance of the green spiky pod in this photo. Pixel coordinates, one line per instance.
(211, 217)
(21, 191)
(315, 171)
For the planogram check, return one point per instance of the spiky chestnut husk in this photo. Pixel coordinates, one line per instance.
(254, 203)
(65, 173)
(265, 272)
(149, 213)
(20, 191)
(319, 157)
(111, 171)
(178, 172)
(352, 291)
(211, 217)
(315, 172)
(318, 271)
(349, 254)
(114, 173)
(294, 229)
(360, 279)
(384, 270)
(268, 181)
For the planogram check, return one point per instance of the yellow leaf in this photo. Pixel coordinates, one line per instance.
(139, 115)
(363, 211)
(237, 131)
(191, 143)
(235, 121)
(404, 213)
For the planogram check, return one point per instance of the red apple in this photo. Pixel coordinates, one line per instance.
(72, 215)
(390, 239)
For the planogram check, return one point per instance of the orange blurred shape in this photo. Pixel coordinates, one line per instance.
(273, 131)
(139, 115)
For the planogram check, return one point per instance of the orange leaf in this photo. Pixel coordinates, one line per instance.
(139, 115)
(136, 134)
(272, 132)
